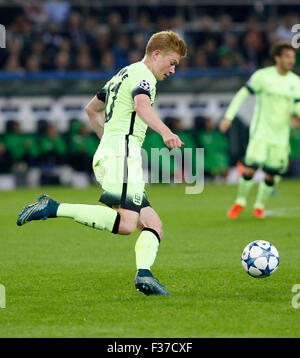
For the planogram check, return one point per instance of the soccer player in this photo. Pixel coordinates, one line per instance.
(120, 114)
(277, 91)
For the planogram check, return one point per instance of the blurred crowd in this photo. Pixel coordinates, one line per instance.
(48, 157)
(56, 36)
(48, 150)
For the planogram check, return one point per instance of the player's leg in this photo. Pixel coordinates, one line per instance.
(255, 154)
(120, 192)
(95, 216)
(151, 234)
(100, 217)
(245, 184)
(244, 187)
(276, 163)
(128, 221)
(146, 249)
(265, 189)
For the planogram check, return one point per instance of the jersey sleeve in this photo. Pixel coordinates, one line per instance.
(236, 103)
(297, 100)
(101, 95)
(255, 82)
(141, 84)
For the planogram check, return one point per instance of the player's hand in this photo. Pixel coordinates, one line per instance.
(172, 140)
(224, 125)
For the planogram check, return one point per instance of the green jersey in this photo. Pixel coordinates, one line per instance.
(276, 96)
(122, 124)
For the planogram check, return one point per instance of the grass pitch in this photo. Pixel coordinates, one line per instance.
(66, 280)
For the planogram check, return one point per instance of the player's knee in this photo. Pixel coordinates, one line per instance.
(158, 229)
(126, 228)
(128, 221)
(269, 179)
(127, 225)
(160, 233)
(248, 173)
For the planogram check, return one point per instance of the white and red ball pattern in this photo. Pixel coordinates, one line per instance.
(260, 258)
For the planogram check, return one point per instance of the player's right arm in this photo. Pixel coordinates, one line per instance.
(95, 110)
(253, 86)
(145, 111)
(233, 108)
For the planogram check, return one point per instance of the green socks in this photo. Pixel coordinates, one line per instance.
(146, 248)
(96, 216)
(264, 192)
(103, 218)
(243, 190)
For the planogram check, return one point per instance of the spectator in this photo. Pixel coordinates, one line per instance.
(35, 12)
(230, 49)
(187, 165)
(162, 23)
(215, 149)
(143, 27)
(270, 31)
(83, 59)
(295, 152)
(62, 61)
(121, 51)
(83, 145)
(100, 45)
(52, 37)
(114, 22)
(135, 56)
(250, 52)
(200, 60)
(107, 61)
(53, 148)
(91, 28)
(177, 25)
(226, 27)
(210, 49)
(23, 147)
(83, 62)
(57, 11)
(283, 31)
(13, 64)
(138, 42)
(225, 43)
(32, 64)
(206, 31)
(75, 30)
(38, 50)
(6, 159)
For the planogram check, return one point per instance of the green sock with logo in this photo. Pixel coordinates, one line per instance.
(95, 216)
(146, 248)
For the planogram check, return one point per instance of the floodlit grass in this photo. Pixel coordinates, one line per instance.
(63, 279)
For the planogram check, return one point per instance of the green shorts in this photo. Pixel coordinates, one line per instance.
(121, 178)
(270, 157)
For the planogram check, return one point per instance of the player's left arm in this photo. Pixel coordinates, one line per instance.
(295, 122)
(95, 110)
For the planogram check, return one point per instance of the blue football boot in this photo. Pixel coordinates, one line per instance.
(44, 208)
(149, 285)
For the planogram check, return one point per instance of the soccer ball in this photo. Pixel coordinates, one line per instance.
(260, 258)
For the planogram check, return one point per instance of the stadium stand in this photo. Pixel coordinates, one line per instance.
(47, 140)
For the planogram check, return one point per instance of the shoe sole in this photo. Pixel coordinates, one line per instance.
(144, 288)
(259, 217)
(147, 290)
